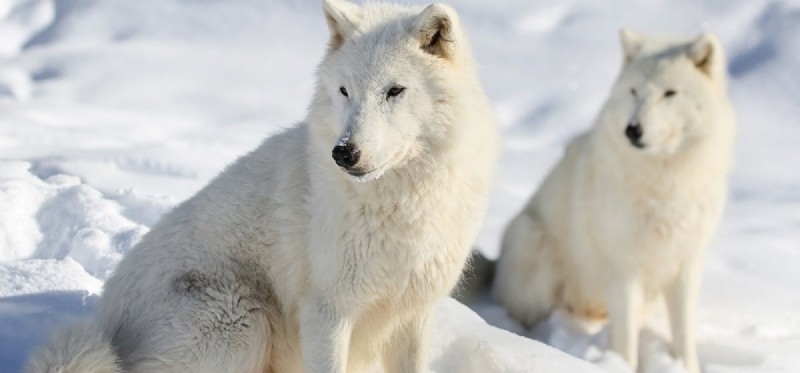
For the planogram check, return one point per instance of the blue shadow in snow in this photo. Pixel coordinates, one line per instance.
(26, 321)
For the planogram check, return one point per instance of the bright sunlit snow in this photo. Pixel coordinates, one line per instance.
(113, 111)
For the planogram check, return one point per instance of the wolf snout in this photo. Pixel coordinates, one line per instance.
(634, 133)
(346, 155)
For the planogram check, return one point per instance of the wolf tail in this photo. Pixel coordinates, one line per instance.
(476, 279)
(77, 348)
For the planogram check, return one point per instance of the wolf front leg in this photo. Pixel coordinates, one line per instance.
(681, 297)
(324, 336)
(407, 351)
(625, 302)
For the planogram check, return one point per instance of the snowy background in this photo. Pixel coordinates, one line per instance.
(113, 111)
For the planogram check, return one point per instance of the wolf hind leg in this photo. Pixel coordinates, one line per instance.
(527, 278)
(209, 356)
(206, 324)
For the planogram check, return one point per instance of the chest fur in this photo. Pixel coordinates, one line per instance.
(405, 238)
(655, 222)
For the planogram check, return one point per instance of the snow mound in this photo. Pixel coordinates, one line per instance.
(587, 340)
(42, 275)
(58, 233)
(20, 196)
(464, 343)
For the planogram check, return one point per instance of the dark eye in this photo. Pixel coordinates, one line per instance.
(669, 93)
(394, 91)
(343, 91)
(633, 92)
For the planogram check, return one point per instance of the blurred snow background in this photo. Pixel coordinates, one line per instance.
(113, 111)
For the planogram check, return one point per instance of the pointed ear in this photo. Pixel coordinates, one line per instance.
(342, 17)
(706, 54)
(631, 43)
(436, 30)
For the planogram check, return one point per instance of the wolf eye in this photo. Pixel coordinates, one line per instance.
(633, 92)
(394, 91)
(343, 91)
(669, 93)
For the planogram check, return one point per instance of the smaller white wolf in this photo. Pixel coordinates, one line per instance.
(326, 249)
(628, 211)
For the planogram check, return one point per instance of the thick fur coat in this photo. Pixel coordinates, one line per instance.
(629, 210)
(326, 248)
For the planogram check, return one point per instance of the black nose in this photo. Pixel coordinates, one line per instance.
(634, 131)
(346, 155)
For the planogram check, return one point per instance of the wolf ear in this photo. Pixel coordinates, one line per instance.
(342, 17)
(706, 53)
(435, 29)
(631, 43)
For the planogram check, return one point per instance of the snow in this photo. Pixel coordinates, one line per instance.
(466, 344)
(113, 111)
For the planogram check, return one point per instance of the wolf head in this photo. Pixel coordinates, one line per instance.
(385, 86)
(667, 94)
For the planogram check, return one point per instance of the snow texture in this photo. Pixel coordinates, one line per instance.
(113, 111)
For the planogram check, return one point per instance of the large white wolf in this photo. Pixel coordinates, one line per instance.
(628, 211)
(326, 248)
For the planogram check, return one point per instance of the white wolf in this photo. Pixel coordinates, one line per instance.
(629, 210)
(293, 261)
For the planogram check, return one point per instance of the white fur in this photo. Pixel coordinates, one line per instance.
(285, 262)
(79, 347)
(614, 225)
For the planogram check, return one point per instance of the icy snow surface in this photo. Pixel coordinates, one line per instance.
(113, 111)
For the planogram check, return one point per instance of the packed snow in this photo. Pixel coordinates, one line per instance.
(113, 111)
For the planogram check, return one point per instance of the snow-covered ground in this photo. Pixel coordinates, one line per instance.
(113, 111)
